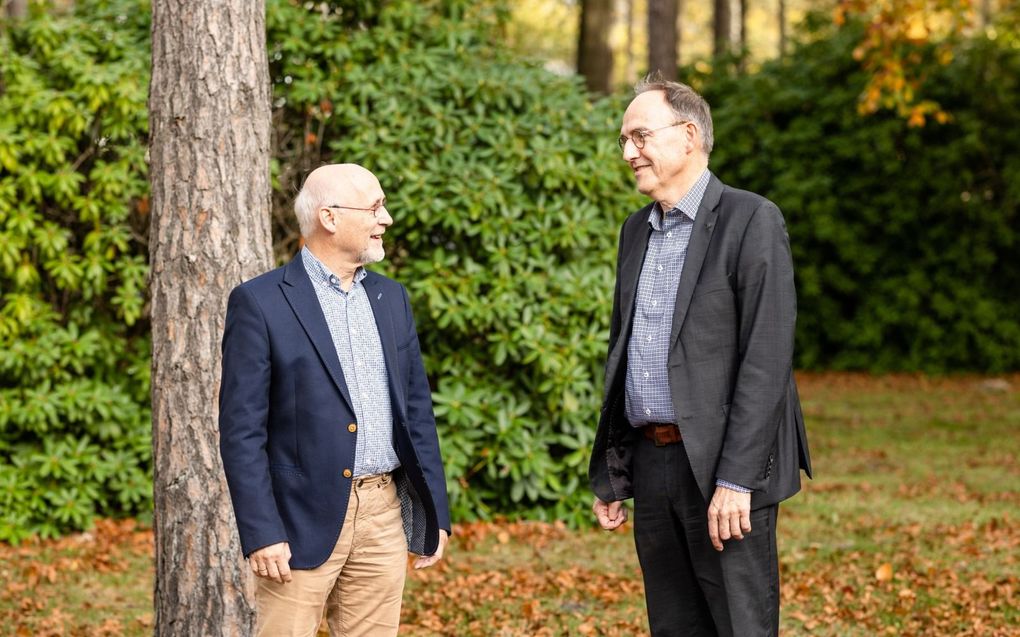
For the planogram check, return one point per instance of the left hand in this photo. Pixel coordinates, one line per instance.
(426, 561)
(729, 516)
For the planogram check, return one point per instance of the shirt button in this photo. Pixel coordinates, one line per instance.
(649, 338)
(654, 303)
(347, 473)
(669, 235)
(646, 374)
(352, 427)
(659, 268)
(648, 412)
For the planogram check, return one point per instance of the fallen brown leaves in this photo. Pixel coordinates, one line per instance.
(499, 579)
(36, 578)
(909, 592)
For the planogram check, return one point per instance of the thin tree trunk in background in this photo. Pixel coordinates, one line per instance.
(17, 9)
(721, 27)
(594, 55)
(631, 68)
(782, 27)
(662, 18)
(742, 35)
(209, 173)
(679, 31)
(728, 22)
(986, 13)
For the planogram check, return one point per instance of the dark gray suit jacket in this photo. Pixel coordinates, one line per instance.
(731, 353)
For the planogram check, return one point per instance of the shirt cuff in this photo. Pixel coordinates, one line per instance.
(730, 485)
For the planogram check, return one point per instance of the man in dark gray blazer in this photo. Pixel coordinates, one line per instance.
(701, 423)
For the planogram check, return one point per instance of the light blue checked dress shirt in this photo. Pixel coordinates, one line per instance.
(356, 338)
(647, 397)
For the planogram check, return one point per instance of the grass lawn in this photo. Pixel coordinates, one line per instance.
(910, 528)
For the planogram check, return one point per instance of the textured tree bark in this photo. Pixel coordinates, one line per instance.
(662, 38)
(594, 55)
(209, 172)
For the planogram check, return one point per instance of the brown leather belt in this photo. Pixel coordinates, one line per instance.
(662, 434)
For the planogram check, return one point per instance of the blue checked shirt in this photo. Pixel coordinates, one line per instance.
(647, 388)
(356, 338)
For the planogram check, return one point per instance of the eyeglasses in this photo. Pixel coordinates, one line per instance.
(379, 205)
(639, 136)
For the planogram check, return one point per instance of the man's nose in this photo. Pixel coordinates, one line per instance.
(630, 150)
(384, 218)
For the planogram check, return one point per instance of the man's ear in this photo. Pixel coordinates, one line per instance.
(327, 219)
(692, 138)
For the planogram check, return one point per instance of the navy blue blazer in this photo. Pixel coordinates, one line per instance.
(285, 412)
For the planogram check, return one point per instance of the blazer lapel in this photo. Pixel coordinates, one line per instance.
(382, 308)
(632, 257)
(701, 237)
(297, 289)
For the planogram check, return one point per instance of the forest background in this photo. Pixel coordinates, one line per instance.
(888, 135)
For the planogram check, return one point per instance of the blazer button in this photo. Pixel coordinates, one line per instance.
(347, 473)
(352, 427)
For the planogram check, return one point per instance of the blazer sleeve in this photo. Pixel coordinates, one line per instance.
(767, 310)
(422, 420)
(243, 421)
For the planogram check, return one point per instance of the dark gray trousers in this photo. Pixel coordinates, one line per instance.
(692, 590)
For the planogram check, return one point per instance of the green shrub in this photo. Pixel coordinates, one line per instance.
(905, 239)
(74, 420)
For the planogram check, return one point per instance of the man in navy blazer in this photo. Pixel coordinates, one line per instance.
(327, 433)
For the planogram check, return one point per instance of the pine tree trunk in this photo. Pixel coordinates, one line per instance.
(209, 172)
(594, 55)
(662, 23)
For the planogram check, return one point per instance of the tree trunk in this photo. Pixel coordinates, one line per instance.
(728, 17)
(742, 29)
(662, 20)
(594, 55)
(17, 9)
(631, 69)
(209, 172)
(782, 27)
(986, 13)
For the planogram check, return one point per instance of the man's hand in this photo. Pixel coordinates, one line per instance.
(729, 516)
(272, 562)
(609, 514)
(426, 561)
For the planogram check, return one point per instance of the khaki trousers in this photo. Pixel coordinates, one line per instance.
(360, 585)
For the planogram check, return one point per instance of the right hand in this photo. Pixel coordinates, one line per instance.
(272, 562)
(611, 515)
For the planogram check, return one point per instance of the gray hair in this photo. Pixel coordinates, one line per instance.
(685, 102)
(306, 206)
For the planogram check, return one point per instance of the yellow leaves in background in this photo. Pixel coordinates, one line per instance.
(900, 34)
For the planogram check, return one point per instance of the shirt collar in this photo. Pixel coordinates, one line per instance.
(320, 274)
(688, 204)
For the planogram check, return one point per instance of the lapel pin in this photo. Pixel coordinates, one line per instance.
(378, 297)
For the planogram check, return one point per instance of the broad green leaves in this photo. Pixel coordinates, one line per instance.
(74, 419)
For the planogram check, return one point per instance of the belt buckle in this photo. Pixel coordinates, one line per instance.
(657, 438)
